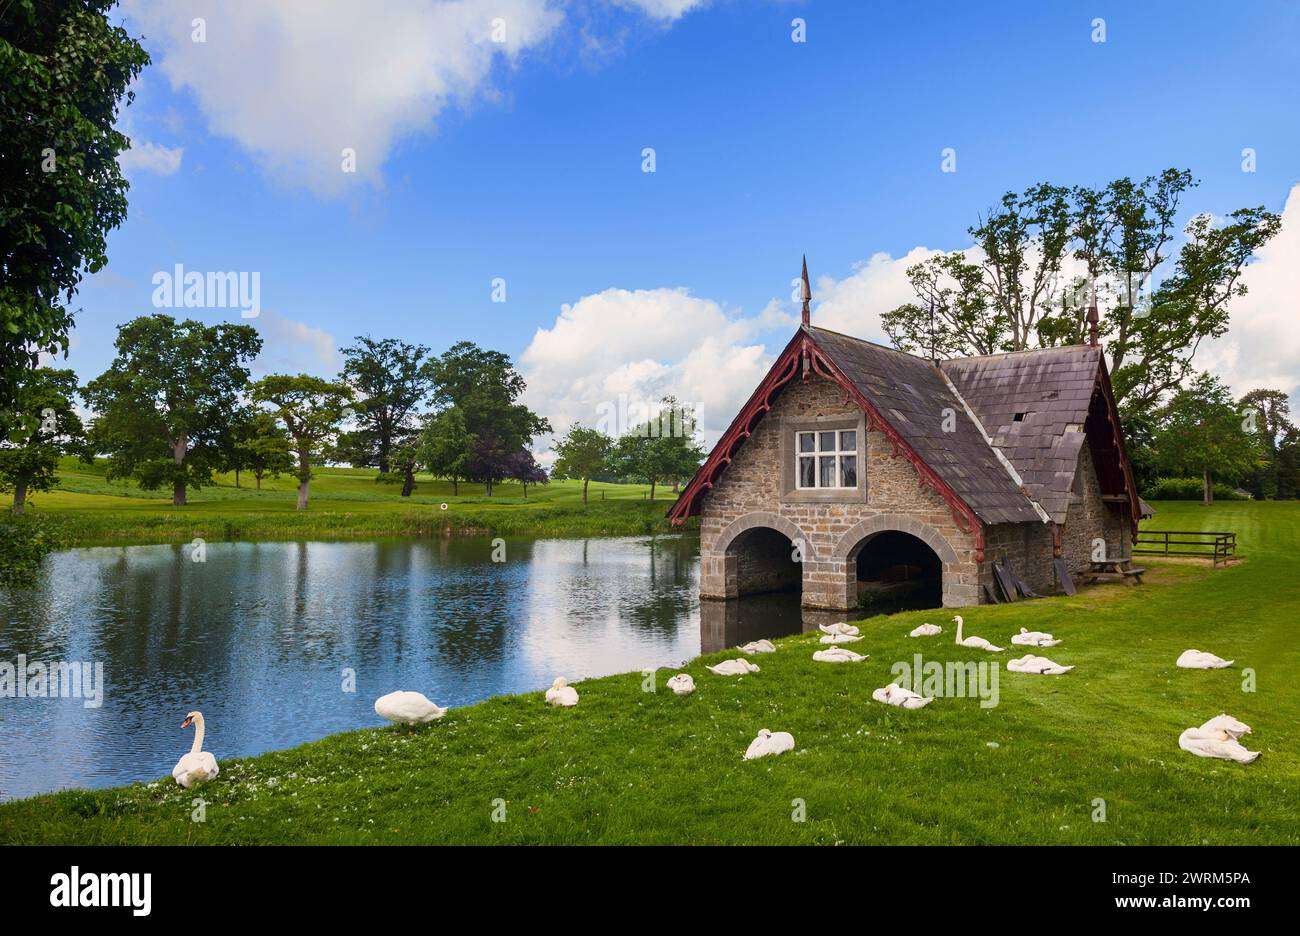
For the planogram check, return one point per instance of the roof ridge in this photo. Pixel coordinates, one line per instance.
(874, 344)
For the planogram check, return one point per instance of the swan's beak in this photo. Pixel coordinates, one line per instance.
(188, 721)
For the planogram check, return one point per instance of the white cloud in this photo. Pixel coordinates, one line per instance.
(628, 348)
(151, 157)
(667, 10)
(297, 81)
(292, 347)
(1262, 346)
(853, 305)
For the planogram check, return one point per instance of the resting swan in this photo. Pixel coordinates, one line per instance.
(733, 668)
(682, 684)
(838, 655)
(926, 630)
(1216, 743)
(848, 630)
(1036, 664)
(893, 694)
(198, 765)
(1198, 659)
(839, 639)
(561, 693)
(770, 742)
(408, 708)
(1227, 723)
(978, 643)
(1030, 638)
(758, 646)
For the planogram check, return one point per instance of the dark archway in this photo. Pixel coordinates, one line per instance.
(765, 563)
(897, 571)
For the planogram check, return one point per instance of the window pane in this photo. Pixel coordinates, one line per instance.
(848, 471)
(807, 473)
(826, 441)
(826, 471)
(807, 442)
(849, 441)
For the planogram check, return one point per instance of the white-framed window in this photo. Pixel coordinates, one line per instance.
(826, 458)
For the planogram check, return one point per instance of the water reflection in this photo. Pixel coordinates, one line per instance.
(260, 635)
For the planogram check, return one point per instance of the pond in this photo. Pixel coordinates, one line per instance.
(267, 639)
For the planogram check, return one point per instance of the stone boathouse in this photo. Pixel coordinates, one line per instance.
(853, 463)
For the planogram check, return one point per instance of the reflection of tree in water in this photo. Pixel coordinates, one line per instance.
(663, 597)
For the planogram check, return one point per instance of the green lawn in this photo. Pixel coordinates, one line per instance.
(345, 502)
(628, 766)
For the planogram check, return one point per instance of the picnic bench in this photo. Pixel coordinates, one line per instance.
(1114, 570)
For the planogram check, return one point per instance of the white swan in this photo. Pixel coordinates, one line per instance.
(758, 646)
(926, 630)
(850, 630)
(770, 742)
(682, 684)
(198, 765)
(1030, 638)
(1218, 743)
(978, 643)
(408, 708)
(733, 668)
(561, 693)
(1227, 723)
(838, 655)
(893, 694)
(839, 639)
(1198, 659)
(1036, 664)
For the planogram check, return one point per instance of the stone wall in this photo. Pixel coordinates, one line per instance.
(1089, 519)
(750, 493)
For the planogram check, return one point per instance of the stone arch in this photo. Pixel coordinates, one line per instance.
(848, 544)
(763, 518)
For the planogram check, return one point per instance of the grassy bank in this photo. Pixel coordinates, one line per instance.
(344, 503)
(630, 766)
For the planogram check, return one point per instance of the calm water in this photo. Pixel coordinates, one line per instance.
(259, 636)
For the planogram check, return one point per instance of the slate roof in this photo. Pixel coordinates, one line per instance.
(911, 394)
(1049, 390)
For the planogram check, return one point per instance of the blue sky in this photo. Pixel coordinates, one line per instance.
(530, 167)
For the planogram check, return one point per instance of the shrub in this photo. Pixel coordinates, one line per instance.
(1186, 489)
(24, 542)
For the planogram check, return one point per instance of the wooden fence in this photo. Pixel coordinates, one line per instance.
(1219, 547)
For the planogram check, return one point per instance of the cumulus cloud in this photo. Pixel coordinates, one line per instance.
(1262, 346)
(297, 82)
(293, 347)
(144, 156)
(619, 351)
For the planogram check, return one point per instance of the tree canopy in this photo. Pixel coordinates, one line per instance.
(311, 409)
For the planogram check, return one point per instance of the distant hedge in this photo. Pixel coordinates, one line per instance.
(1186, 489)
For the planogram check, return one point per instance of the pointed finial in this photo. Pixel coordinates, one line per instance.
(1093, 319)
(807, 292)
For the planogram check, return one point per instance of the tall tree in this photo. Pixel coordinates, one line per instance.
(445, 445)
(523, 467)
(1272, 421)
(1013, 293)
(1203, 433)
(262, 447)
(164, 406)
(64, 70)
(486, 388)
(582, 454)
(29, 459)
(311, 409)
(391, 379)
(660, 449)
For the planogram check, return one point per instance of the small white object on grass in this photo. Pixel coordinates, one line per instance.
(758, 646)
(198, 765)
(850, 630)
(561, 693)
(894, 694)
(977, 643)
(838, 655)
(1227, 723)
(682, 684)
(1028, 638)
(839, 639)
(733, 668)
(769, 742)
(926, 630)
(1198, 659)
(1217, 742)
(1037, 664)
